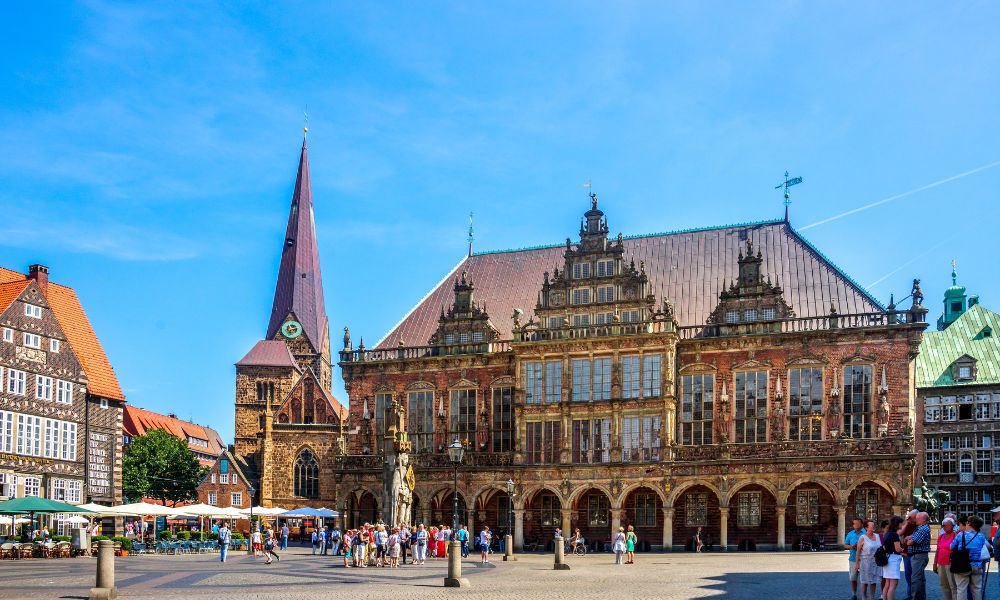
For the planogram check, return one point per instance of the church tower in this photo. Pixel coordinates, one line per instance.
(285, 411)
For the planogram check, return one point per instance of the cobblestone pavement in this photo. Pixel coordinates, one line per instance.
(758, 576)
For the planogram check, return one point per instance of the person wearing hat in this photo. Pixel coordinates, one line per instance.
(619, 545)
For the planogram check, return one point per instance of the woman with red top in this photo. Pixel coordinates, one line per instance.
(942, 560)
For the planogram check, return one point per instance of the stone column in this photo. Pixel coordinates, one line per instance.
(780, 510)
(668, 529)
(616, 521)
(519, 529)
(567, 516)
(841, 523)
(724, 528)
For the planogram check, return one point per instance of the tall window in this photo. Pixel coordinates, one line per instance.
(543, 442)
(651, 375)
(805, 404)
(641, 438)
(306, 484)
(866, 503)
(382, 401)
(696, 510)
(591, 440)
(751, 407)
(857, 401)
(807, 507)
(463, 414)
(533, 382)
(644, 509)
(553, 381)
(696, 409)
(748, 509)
(630, 376)
(598, 508)
(591, 379)
(503, 419)
(420, 417)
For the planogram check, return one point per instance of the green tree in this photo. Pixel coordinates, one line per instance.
(159, 465)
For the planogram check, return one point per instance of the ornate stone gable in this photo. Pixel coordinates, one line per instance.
(750, 299)
(466, 326)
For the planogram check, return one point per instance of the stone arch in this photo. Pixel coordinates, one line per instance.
(786, 495)
(676, 492)
(744, 483)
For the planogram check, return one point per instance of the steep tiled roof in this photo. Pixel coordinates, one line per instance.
(688, 268)
(101, 378)
(137, 421)
(269, 353)
(299, 289)
(966, 336)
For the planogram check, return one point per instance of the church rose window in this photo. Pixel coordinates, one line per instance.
(420, 416)
(751, 406)
(306, 484)
(696, 510)
(697, 409)
(857, 401)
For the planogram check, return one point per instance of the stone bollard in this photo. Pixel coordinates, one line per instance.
(560, 564)
(508, 547)
(105, 588)
(454, 578)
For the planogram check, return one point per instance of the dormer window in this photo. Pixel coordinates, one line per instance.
(35, 312)
(581, 270)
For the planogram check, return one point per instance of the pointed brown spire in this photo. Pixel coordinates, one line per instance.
(299, 291)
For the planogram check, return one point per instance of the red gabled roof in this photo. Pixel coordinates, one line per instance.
(299, 289)
(688, 268)
(101, 378)
(137, 421)
(269, 353)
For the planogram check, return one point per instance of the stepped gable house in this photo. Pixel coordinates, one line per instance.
(729, 378)
(288, 424)
(60, 402)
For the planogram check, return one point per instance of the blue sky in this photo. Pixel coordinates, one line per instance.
(149, 150)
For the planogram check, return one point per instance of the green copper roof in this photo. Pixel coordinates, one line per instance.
(940, 349)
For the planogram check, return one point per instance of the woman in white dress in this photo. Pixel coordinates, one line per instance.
(619, 545)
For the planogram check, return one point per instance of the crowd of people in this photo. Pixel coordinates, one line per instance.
(885, 554)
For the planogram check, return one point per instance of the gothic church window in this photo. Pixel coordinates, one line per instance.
(697, 409)
(306, 471)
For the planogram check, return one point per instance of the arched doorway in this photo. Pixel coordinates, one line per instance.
(592, 516)
(542, 514)
(697, 506)
(810, 519)
(753, 520)
(643, 510)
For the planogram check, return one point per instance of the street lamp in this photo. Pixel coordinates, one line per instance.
(456, 451)
(508, 550)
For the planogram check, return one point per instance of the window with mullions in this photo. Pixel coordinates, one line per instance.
(553, 381)
(805, 404)
(306, 470)
(630, 376)
(533, 382)
(591, 441)
(697, 409)
(857, 401)
(503, 419)
(644, 509)
(751, 407)
(598, 508)
(463, 414)
(420, 420)
(651, 376)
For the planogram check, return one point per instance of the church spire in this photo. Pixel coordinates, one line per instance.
(298, 294)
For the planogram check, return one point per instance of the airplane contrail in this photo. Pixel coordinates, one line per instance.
(903, 195)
